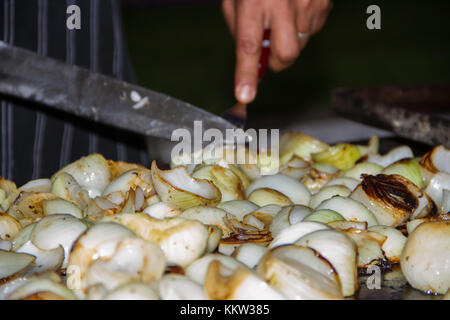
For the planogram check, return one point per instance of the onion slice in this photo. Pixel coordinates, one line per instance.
(178, 189)
(12, 263)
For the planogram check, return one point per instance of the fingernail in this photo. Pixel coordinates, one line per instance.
(246, 93)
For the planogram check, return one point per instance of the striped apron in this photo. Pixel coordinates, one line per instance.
(36, 142)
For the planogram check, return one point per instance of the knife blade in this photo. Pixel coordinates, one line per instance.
(72, 89)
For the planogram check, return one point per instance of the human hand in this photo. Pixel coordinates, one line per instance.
(290, 21)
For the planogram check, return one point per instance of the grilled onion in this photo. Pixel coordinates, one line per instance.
(266, 196)
(178, 189)
(9, 226)
(342, 156)
(12, 263)
(350, 209)
(425, 260)
(178, 287)
(229, 184)
(91, 173)
(398, 153)
(328, 192)
(394, 244)
(222, 283)
(287, 217)
(300, 273)
(132, 291)
(299, 144)
(391, 198)
(291, 234)
(288, 186)
(340, 251)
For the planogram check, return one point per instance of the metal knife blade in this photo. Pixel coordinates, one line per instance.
(47, 81)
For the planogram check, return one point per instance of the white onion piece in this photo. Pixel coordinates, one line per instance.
(250, 254)
(340, 251)
(287, 217)
(185, 242)
(324, 216)
(350, 209)
(132, 291)
(131, 180)
(342, 225)
(229, 184)
(61, 206)
(251, 171)
(12, 263)
(346, 182)
(8, 193)
(363, 168)
(140, 199)
(392, 156)
(288, 186)
(299, 273)
(38, 185)
(91, 172)
(425, 260)
(55, 230)
(369, 246)
(328, 192)
(161, 210)
(299, 144)
(181, 240)
(9, 226)
(178, 189)
(223, 283)
(438, 159)
(42, 286)
(210, 216)
(296, 173)
(426, 206)
(445, 206)
(238, 208)
(437, 185)
(413, 224)
(5, 245)
(177, 287)
(215, 234)
(134, 259)
(46, 260)
(22, 237)
(29, 206)
(197, 270)
(391, 198)
(267, 196)
(266, 214)
(394, 243)
(253, 221)
(293, 233)
(66, 187)
(227, 249)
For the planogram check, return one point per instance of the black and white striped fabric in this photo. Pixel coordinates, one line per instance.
(35, 141)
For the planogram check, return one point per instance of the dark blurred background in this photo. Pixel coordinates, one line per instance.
(183, 48)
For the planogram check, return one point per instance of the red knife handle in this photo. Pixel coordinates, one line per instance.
(265, 53)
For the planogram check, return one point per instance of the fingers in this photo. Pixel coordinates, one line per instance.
(323, 10)
(284, 42)
(229, 12)
(249, 34)
(304, 19)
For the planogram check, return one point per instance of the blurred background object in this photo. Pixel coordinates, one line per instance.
(183, 48)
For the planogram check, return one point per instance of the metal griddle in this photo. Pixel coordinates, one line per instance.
(420, 114)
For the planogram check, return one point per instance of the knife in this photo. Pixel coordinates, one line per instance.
(75, 90)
